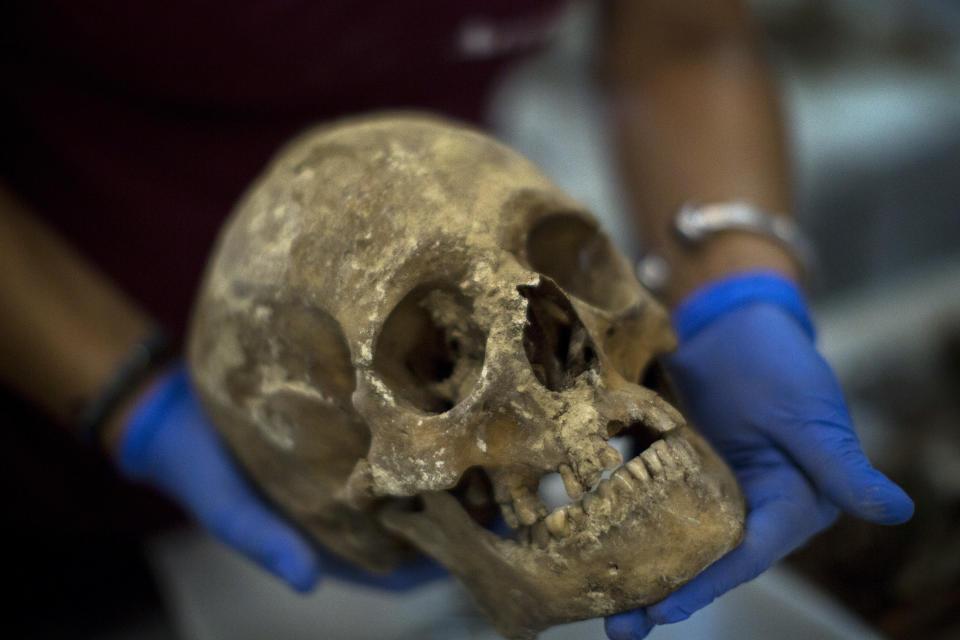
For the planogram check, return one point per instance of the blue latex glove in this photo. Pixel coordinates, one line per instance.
(170, 444)
(756, 387)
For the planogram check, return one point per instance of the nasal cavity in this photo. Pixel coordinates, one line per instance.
(555, 341)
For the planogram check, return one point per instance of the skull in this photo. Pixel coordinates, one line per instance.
(403, 323)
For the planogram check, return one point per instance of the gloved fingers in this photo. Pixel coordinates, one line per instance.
(173, 445)
(784, 511)
(201, 475)
(632, 625)
(243, 523)
(829, 452)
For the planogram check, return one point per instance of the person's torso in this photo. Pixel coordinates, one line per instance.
(135, 126)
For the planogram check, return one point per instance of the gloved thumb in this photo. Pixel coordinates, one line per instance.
(829, 452)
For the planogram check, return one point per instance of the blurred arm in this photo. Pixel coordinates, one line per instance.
(697, 120)
(63, 328)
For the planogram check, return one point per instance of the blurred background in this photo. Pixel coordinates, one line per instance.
(871, 89)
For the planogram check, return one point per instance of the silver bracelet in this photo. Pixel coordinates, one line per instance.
(694, 224)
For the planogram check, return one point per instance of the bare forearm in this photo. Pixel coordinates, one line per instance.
(63, 327)
(697, 120)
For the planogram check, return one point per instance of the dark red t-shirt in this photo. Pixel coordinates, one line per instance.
(133, 127)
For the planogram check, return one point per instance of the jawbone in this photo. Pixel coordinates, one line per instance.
(657, 522)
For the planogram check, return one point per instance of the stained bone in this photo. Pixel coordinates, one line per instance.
(399, 301)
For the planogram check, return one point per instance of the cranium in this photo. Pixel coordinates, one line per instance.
(403, 317)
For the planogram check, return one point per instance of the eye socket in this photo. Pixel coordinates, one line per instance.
(430, 351)
(579, 257)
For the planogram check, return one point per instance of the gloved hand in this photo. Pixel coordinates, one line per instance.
(756, 387)
(170, 444)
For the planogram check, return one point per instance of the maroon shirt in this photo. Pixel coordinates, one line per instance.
(134, 127)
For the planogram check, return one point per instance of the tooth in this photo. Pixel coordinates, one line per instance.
(664, 416)
(525, 513)
(663, 452)
(557, 523)
(575, 514)
(593, 504)
(529, 508)
(672, 461)
(605, 489)
(621, 478)
(510, 516)
(591, 475)
(610, 458)
(637, 470)
(570, 482)
(540, 534)
(587, 502)
(653, 463)
(684, 453)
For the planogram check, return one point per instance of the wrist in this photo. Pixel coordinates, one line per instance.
(117, 426)
(727, 254)
(736, 291)
(101, 417)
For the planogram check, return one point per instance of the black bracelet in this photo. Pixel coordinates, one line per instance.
(144, 357)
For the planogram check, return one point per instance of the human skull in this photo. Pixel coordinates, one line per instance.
(404, 318)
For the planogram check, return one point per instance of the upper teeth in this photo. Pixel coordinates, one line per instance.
(529, 507)
(570, 482)
(665, 459)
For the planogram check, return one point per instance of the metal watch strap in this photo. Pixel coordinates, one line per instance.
(694, 224)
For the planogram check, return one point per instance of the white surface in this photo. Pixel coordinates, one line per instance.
(215, 594)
